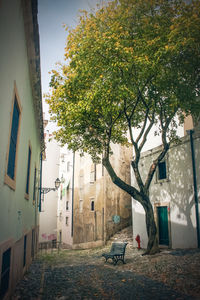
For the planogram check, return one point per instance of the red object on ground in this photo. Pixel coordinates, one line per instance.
(138, 241)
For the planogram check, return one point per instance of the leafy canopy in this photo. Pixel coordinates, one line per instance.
(130, 63)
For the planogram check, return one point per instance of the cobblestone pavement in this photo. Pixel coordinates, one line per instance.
(83, 274)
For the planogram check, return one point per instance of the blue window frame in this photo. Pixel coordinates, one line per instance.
(34, 185)
(28, 170)
(33, 243)
(13, 141)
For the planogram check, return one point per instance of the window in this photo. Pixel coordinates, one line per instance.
(67, 205)
(92, 205)
(162, 170)
(10, 176)
(67, 220)
(34, 186)
(13, 141)
(28, 173)
(33, 243)
(80, 205)
(24, 258)
(5, 273)
(93, 174)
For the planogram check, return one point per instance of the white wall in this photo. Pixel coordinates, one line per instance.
(50, 171)
(65, 171)
(176, 193)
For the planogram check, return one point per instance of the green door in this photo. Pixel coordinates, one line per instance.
(163, 225)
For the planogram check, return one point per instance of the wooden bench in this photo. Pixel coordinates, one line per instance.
(117, 252)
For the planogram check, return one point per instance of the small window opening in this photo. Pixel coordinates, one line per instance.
(28, 171)
(92, 205)
(162, 170)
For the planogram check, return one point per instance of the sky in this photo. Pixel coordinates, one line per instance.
(52, 14)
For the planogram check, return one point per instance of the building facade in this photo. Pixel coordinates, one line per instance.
(90, 207)
(21, 139)
(65, 202)
(49, 201)
(100, 208)
(174, 193)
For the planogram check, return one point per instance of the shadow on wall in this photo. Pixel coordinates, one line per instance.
(182, 235)
(176, 193)
(181, 185)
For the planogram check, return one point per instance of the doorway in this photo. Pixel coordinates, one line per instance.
(162, 214)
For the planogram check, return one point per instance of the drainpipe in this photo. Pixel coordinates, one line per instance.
(73, 171)
(195, 185)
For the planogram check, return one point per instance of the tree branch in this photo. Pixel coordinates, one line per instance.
(133, 192)
(147, 131)
(154, 166)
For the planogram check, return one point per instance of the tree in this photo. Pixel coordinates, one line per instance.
(132, 64)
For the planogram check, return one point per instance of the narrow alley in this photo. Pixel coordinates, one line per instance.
(83, 274)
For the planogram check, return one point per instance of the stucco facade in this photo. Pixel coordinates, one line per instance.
(21, 138)
(65, 199)
(100, 207)
(49, 201)
(174, 195)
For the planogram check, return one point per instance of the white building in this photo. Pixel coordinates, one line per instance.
(173, 195)
(56, 206)
(65, 200)
(49, 201)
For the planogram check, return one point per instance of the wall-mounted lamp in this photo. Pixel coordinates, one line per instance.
(46, 190)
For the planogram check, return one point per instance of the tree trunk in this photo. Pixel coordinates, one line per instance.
(152, 246)
(143, 198)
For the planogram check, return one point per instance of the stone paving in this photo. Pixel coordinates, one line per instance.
(88, 277)
(84, 275)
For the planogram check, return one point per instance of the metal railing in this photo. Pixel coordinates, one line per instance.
(50, 246)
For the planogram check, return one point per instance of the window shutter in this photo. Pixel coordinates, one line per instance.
(28, 170)
(13, 141)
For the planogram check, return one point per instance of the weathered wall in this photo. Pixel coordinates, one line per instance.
(109, 201)
(88, 225)
(118, 202)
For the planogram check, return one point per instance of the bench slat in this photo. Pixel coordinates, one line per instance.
(117, 252)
